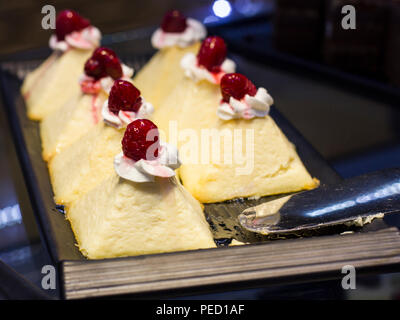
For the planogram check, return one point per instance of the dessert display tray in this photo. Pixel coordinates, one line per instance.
(261, 262)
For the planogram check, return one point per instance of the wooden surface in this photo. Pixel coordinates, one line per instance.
(263, 263)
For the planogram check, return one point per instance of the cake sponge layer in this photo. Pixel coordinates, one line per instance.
(54, 82)
(124, 218)
(162, 73)
(255, 160)
(265, 166)
(67, 124)
(85, 163)
(32, 77)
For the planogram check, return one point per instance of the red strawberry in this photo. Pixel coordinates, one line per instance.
(103, 62)
(174, 21)
(212, 53)
(124, 96)
(109, 61)
(93, 68)
(139, 136)
(69, 21)
(237, 86)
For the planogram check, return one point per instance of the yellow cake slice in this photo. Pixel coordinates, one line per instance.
(124, 218)
(82, 112)
(185, 107)
(160, 75)
(64, 126)
(53, 83)
(85, 163)
(32, 77)
(198, 88)
(266, 162)
(56, 85)
(267, 165)
(176, 37)
(140, 208)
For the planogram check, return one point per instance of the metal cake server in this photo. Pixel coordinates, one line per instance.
(354, 201)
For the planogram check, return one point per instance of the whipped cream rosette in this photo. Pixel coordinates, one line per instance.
(74, 31)
(87, 38)
(193, 32)
(241, 99)
(144, 156)
(193, 70)
(210, 63)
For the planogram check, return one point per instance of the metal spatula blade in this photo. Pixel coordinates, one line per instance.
(354, 201)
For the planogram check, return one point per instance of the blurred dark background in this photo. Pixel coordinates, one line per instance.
(339, 88)
(20, 21)
(309, 28)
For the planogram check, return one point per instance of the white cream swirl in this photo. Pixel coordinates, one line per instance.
(90, 85)
(194, 71)
(88, 38)
(195, 31)
(125, 117)
(247, 108)
(145, 170)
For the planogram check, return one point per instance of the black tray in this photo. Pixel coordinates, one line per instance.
(259, 263)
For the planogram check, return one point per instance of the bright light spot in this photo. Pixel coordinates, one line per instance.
(335, 207)
(222, 8)
(10, 216)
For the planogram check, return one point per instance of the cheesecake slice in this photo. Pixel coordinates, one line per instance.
(56, 80)
(176, 37)
(89, 160)
(141, 208)
(66, 125)
(82, 112)
(230, 147)
(123, 218)
(183, 107)
(57, 83)
(32, 78)
(267, 162)
(84, 164)
(161, 74)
